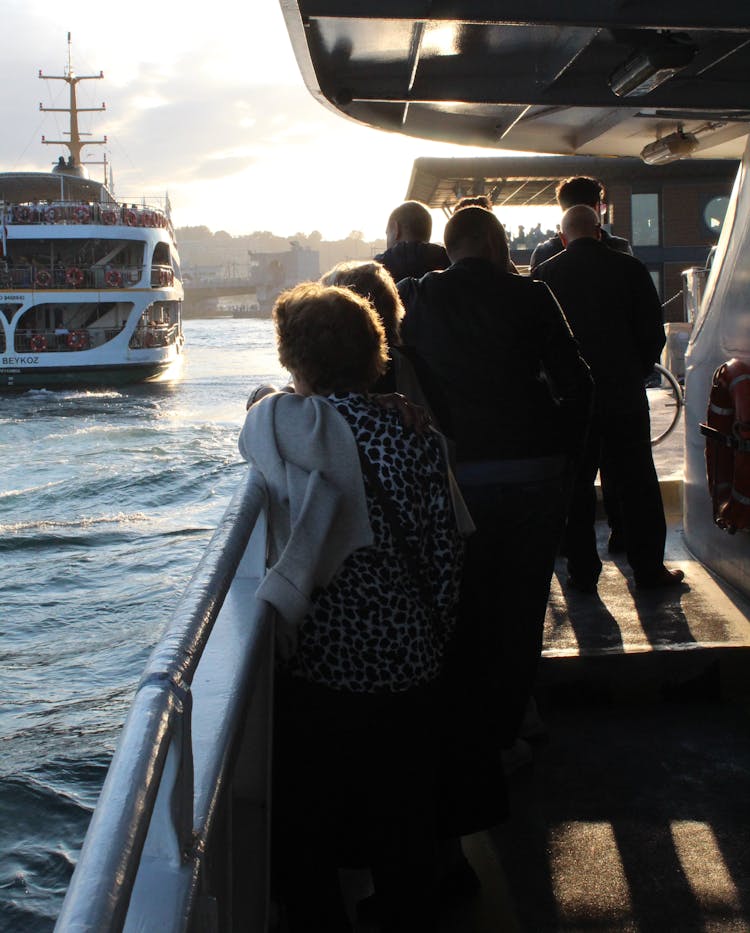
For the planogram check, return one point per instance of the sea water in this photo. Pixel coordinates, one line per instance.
(107, 500)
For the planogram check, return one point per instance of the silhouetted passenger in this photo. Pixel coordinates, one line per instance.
(589, 191)
(614, 311)
(519, 394)
(406, 372)
(409, 251)
(578, 190)
(365, 559)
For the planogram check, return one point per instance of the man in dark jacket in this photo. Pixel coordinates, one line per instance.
(518, 393)
(614, 311)
(409, 251)
(585, 190)
(572, 191)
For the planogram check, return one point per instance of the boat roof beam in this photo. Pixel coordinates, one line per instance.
(611, 14)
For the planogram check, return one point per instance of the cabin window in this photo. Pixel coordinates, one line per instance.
(645, 219)
(8, 310)
(714, 213)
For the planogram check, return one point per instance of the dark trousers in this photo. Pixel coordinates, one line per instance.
(505, 587)
(353, 787)
(621, 447)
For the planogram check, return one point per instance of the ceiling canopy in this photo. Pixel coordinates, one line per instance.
(576, 77)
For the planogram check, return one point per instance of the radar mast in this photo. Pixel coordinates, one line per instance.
(75, 143)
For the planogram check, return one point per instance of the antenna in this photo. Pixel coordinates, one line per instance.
(75, 144)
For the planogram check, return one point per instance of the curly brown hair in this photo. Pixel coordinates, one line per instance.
(331, 337)
(373, 281)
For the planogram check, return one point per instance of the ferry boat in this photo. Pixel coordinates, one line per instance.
(90, 290)
(639, 819)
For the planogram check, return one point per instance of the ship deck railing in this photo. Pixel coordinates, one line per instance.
(193, 759)
(71, 339)
(86, 275)
(85, 212)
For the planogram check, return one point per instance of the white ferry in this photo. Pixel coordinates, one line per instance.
(90, 290)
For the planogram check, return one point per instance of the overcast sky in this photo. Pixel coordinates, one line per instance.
(204, 101)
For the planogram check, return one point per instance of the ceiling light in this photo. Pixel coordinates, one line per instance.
(669, 148)
(649, 68)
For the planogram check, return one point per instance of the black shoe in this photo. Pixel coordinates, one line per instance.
(581, 586)
(663, 578)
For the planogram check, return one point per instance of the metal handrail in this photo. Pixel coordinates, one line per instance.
(100, 890)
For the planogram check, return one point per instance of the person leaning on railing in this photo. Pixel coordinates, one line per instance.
(364, 566)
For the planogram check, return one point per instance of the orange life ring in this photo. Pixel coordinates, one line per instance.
(727, 431)
(77, 340)
(82, 214)
(43, 278)
(23, 214)
(109, 217)
(113, 278)
(130, 218)
(38, 342)
(74, 276)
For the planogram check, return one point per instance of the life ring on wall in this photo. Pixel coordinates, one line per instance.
(130, 217)
(113, 278)
(43, 278)
(23, 214)
(38, 343)
(74, 276)
(109, 217)
(82, 214)
(77, 340)
(727, 432)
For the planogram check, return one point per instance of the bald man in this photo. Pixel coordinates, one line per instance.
(615, 314)
(581, 189)
(407, 236)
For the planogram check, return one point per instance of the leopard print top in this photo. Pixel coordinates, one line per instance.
(371, 630)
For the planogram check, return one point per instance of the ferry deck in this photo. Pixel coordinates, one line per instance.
(633, 812)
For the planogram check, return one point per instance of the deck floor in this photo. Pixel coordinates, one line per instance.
(634, 814)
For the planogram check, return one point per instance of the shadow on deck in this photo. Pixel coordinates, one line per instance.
(635, 812)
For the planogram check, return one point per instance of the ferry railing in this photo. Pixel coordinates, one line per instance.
(109, 213)
(72, 277)
(64, 340)
(194, 752)
(152, 335)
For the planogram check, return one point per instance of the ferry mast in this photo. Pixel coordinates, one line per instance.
(75, 144)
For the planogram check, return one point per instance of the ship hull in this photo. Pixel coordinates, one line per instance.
(80, 377)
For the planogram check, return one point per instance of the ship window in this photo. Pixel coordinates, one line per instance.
(714, 213)
(645, 219)
(9, 310)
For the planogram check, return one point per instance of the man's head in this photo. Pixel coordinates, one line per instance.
(580, 190)
(478, 200)
(580, 222)
(476, 233)
(410, 222)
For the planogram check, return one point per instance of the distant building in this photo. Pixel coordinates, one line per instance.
(271, 273)
(671, 214)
